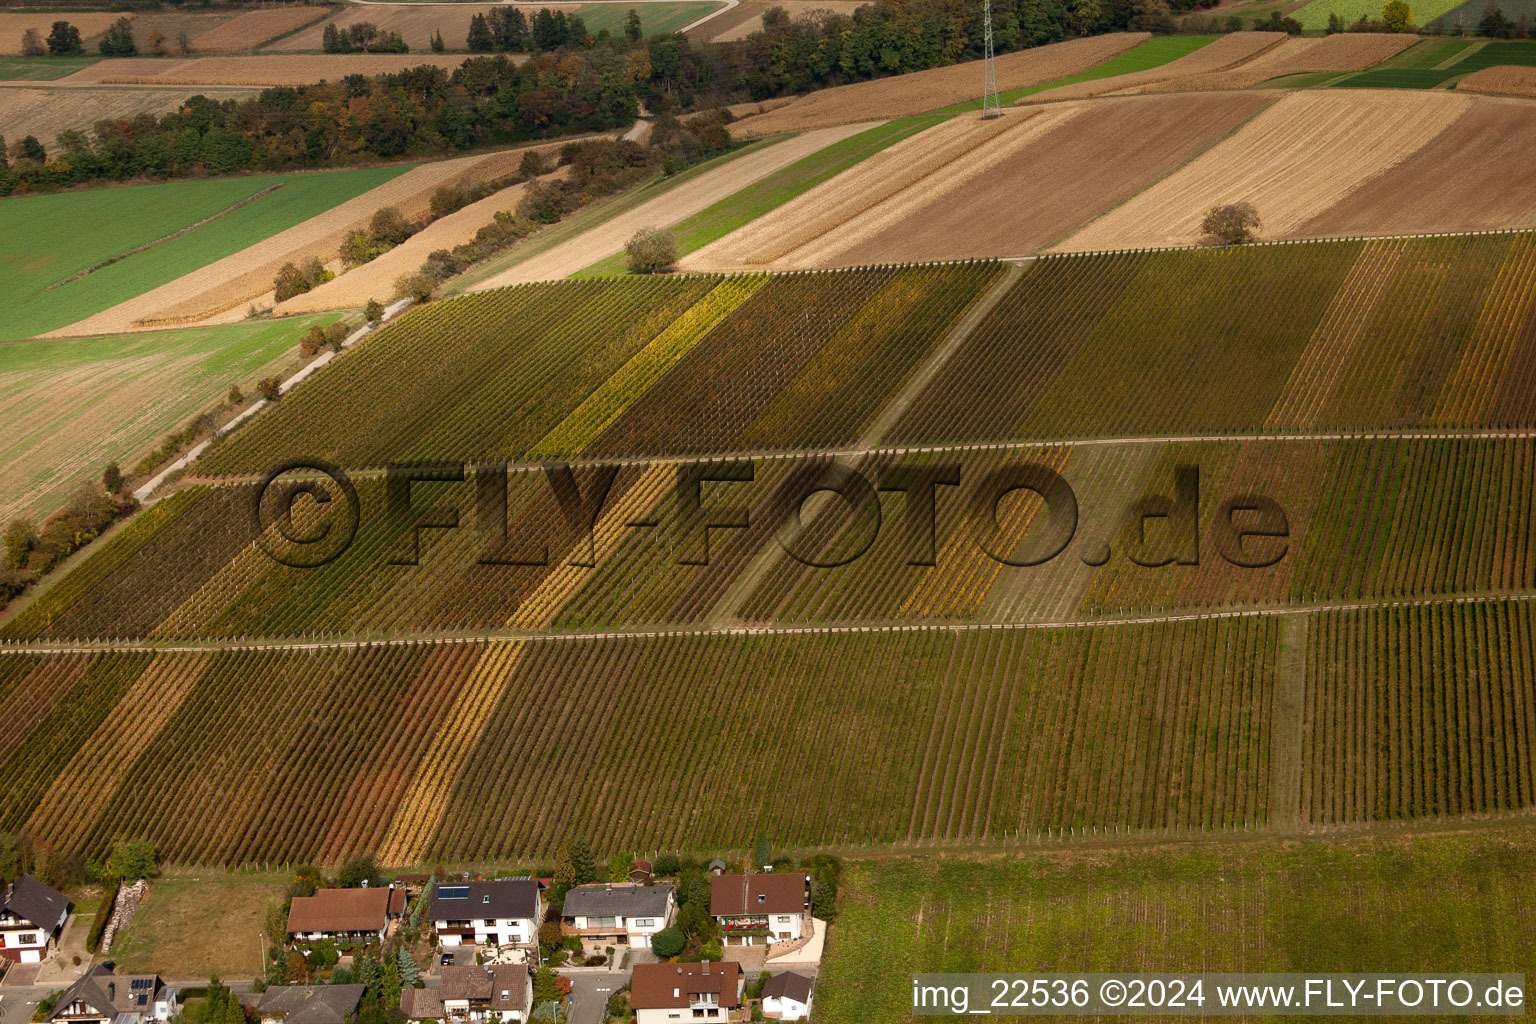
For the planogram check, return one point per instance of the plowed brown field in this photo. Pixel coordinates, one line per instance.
(1295, 160)
(1051, 183)
(264, 70)
(1477, 175)
(230, 283)
(1226, 52)
(1501, 81)
(922, 91)
(1344, 51)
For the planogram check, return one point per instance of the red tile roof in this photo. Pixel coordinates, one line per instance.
(345, 910)
(732, 895)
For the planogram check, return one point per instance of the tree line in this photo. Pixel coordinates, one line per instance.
(584, 84)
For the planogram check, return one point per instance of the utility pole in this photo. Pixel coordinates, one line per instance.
(991, 106)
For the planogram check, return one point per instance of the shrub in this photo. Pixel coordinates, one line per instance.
(373, 312)
(416, 286)
(235, 396)
(270, 388)
(447, 199)
(388, 227)
(532, 164)
(20, 539)
(32, 44)
(289, 282)
(133, 859)
(668, 943)
(112, 478)
(651, 251)
(1231, 224)
(1397, 16)
(355, 250)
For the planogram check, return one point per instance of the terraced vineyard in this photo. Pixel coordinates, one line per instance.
(1375, 669)
(1009, 751)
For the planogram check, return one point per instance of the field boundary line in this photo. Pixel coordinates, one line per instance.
(494, 636)
(1314, 240)
(248, 200)
(782, 454)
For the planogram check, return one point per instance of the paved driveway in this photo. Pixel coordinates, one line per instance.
(591, 992)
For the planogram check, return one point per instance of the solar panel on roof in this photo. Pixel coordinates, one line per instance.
(137, 983)
(453, 892)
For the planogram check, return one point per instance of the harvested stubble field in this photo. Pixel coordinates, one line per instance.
(69, 407)
(1501, 81)
(676, 204)
(376, 278)
(250, 29)
(1344, 51)
(419, 21)
(262, 70)
(238, 278)
(1073, 163)
(14, 26)
(1404, 903)
(922, 91)
(45, 110)
(1479, 174)
(1304, 155)
(92, 248)
(1231, 50)
(747, 17)
(806, 230)
(423, 733)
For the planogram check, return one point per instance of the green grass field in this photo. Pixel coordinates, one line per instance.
(775, 190)
(40, 69)
(1436, 62)
(1433, 903)
(69, 232)
(656, 19)
(1150, 54)
(1315, 14)
(71, 405)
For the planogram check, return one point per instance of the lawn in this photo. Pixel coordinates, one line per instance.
(194, 926)
(40, 69)
(71, 405)
(1150, 54)
(1433, 903)
(655, 18)
(50, 238)
(778, 188)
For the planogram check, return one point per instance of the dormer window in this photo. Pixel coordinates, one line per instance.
(486, 898)
(762, 897)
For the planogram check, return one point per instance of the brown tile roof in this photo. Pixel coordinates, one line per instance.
(785, 893)
(421, 1004)
(311, 1004)
(789, 984)
(653, 985)
(344, 910)
(502, 986)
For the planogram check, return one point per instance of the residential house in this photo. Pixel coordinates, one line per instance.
(345, 914)
(31, 919)
(754, 909)
(100, 996)
(660, 993)
(787, 996)
(309, 1004)
(479, 993)
(505, 912)
(617, 915)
